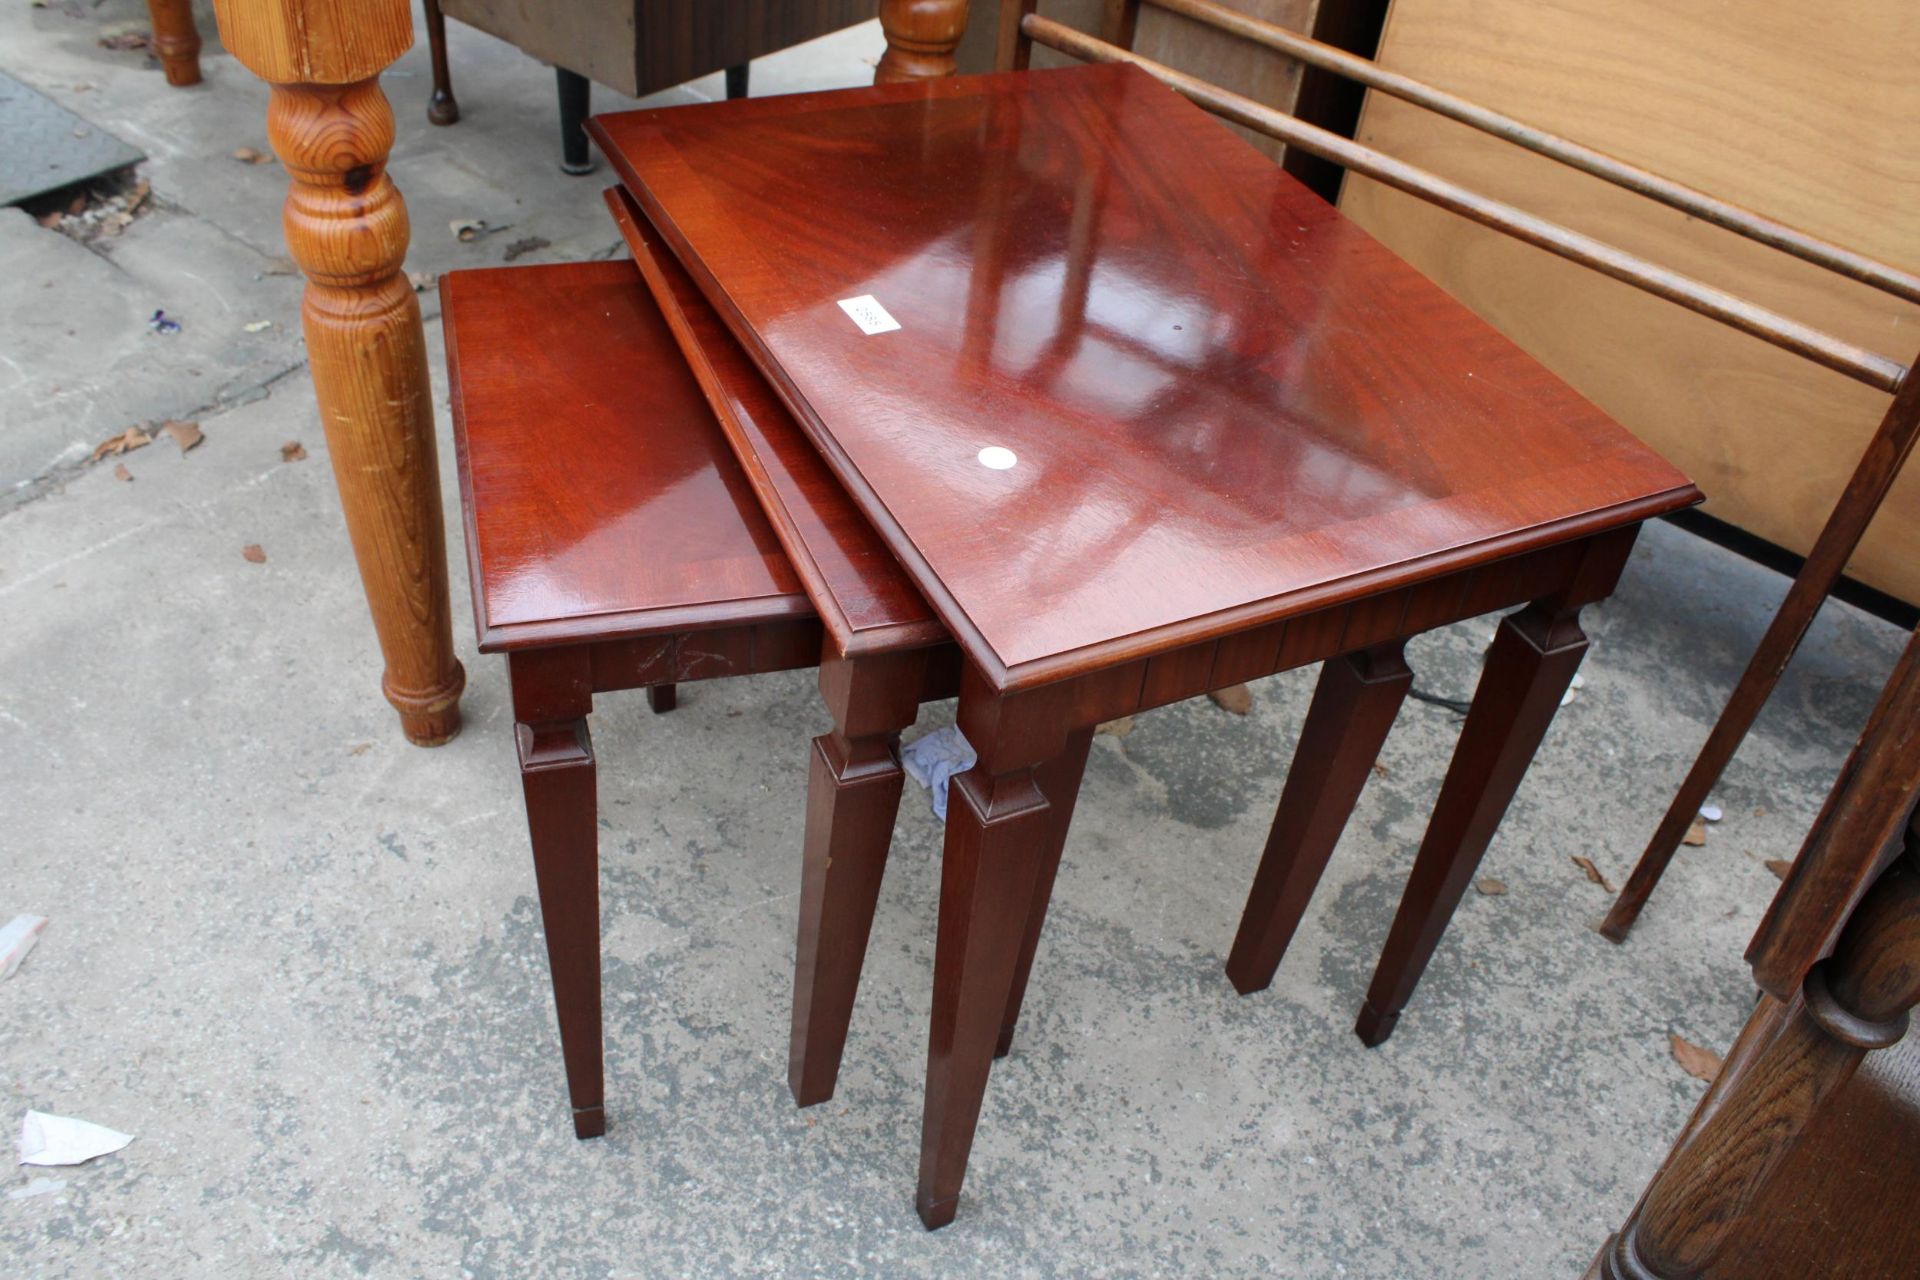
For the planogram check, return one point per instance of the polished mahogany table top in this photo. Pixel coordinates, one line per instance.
(865, 600)
(549, 520)
(1222, 402)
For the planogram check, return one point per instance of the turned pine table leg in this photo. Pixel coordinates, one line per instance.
(921, 38)
(346, 227)
(176, 40)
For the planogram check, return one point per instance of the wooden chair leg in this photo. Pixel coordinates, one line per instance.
(576, 102)
(557, 774)
(176, 40)
(921, 38)
(1873, 477)
(1532, 661)
(1059, 782)
(998, 830)
(441, 107)
(662, 698)
(853, 796)
(1354, 706)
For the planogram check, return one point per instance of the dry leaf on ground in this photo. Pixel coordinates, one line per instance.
(1696, 834)
(1118, 728)
(531, 244)
(253, 553)
(1380, 768)
(467, 230)
(131, 438)
(1593, 872)
(120, 471)
(1701, 1064)
(292, 451)
(1490, 887)
(248, 155)
(1236, 698)
(422, 280)
(187, 435)
(126, 40)
(1779, 867)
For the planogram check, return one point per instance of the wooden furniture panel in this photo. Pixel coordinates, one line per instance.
(570, 461)
(1240, 407)
(1802, 117)
(641, 46)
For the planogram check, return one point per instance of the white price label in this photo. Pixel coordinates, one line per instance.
(867, 312)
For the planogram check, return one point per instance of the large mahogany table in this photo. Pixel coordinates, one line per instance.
(1150, 420)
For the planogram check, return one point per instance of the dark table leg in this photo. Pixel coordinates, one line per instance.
(552, 693)
(1533, 658)
(1059, 781)
(853, 794)
(999, 830)
(1354, 706)
(441, 108)
(662, 698)
(737, 80)
(576, 100)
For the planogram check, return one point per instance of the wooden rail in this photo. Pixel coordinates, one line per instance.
(1858, 363)
(1676, 195)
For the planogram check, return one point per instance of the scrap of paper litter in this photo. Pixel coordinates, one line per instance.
(16, 940)
(50, 1140)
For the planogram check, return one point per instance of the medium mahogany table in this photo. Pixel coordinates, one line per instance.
(1141, 417)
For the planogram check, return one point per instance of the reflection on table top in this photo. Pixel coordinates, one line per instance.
(1223, 402)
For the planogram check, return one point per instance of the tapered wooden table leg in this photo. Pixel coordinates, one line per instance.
(853, 795)
(921, 38)
(176, 40)
(1354, 706)
(1059, 782)
(998, 831)
(346, 227)
(551, 696)
(1532, 661)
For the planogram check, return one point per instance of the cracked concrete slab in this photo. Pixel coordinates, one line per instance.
(303, 962)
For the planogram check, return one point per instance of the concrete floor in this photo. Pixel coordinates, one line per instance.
(302, 961)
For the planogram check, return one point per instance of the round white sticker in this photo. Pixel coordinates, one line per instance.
(997, 457)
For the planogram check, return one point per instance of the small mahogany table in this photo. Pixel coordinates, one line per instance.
(601, 558)
(1141, 417)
